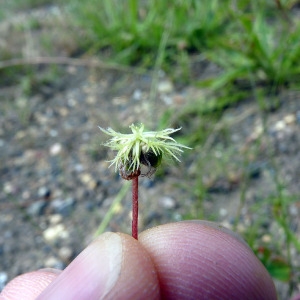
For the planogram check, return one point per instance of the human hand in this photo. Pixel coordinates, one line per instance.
(185, 260)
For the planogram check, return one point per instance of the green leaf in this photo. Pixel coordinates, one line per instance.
(279, 269)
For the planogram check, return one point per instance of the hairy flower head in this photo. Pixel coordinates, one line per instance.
(131, 146)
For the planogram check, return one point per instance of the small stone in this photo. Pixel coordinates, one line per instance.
(120, 100)
(72, 70)
(167, 100)
(3, 280)
(137, 95)
(165, 87)
(53, 233)
(63, 111)
(55, 149)
(177, 217)
(78, 168)
(226, 224)
(26, 195)
(37, 208)
(63, 207)
(65, 253)
(53, 133)
(293, 210)
(55, 219)
(44, 192)
(223, 212)
(72, 102)
(8, 188)
(280, 125)
(167, 202)
(53, 262)
(88, 180)
(290, 119)
(266, 238)
(241, 228)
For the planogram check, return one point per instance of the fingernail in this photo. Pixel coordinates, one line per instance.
(92, 274)
(110, 258)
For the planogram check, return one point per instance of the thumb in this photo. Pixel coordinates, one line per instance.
(113, 265)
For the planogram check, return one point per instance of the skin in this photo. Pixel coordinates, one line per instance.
(185, 260)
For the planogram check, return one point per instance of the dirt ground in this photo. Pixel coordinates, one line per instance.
(55, 185)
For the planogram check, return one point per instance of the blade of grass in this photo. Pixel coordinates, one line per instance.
(110, 213)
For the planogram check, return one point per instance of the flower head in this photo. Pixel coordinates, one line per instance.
(140, 147)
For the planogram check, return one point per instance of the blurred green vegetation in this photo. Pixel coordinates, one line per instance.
(254, 45)
(250, 40)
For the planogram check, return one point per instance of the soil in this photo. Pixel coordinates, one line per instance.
(56, 186)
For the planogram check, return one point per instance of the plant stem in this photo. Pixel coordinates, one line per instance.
(135, 206)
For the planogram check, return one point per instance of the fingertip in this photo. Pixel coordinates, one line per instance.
(29, 285)
(113, 266)
(201, 260)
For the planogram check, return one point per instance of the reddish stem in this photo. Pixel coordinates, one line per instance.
(135, 206)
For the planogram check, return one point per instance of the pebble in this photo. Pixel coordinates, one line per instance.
(44, 192)
(65, 254)
(226, 224)
(165, 87)
(3, 280)
(280, 125)
(53, 233)
(223, 212)
(290, 119)
(53, 262)
(177, 217)
(241, 228)
(78, 168)
(55, 149)
(72, 102)
(37, 208)
(137, 95)
(88, 180)
(53, 133)
(63, 207)
(8, 188)
(266, 238)
(26, 195)
(63, 111)
(167, 100)
(55, 219)
(119, 100)
(293, 210)
(167, 202)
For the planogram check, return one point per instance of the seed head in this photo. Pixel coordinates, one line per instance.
(134, 148)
